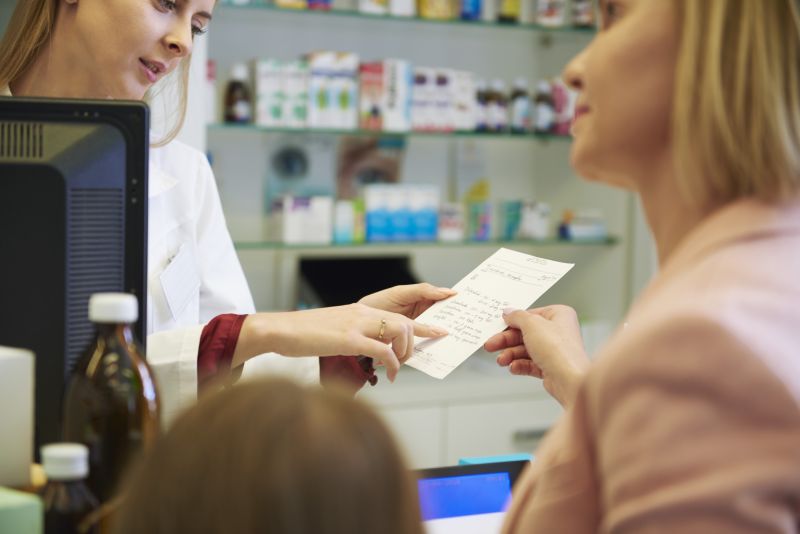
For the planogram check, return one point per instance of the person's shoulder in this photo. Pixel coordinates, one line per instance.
(734, 308)
(683, 351)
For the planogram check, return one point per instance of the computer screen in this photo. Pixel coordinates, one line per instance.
(466, 499)
(73, 221)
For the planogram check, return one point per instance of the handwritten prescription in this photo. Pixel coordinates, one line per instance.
(507, 279)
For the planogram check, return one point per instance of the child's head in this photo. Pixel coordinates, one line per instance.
(273, 457)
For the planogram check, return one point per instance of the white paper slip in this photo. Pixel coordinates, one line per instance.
(507, 279)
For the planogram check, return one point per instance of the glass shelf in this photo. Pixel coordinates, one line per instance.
(272, 245)
(484, 135)
(353, 13)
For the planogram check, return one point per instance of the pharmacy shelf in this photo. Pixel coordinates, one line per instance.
(353, 13)
(493, 243)
(484, 135)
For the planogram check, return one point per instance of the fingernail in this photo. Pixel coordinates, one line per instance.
(508, 311)
(439, 331)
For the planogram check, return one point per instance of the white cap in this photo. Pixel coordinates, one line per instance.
(499, 86)
(521, 83)
(544, 87)
(65, 461)
(113, 308)
(239, 72)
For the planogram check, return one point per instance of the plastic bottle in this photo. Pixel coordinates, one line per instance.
(211, 91)
(437, 9)
(583, 13)
(497, 105)
(563, 107)
(471, 9)
(551, 13)
(508, 11)
(544, 108)
(66, 498)
(112, 402)
(520, 107)
(238, 107)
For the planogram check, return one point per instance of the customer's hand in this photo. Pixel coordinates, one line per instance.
(409, 300)
(354, 329)
(545, 343)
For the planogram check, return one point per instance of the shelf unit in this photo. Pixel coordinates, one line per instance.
(368, 17)
(444, 245)
(505, 135)
(479, 409)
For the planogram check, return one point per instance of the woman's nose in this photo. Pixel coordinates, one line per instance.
(179, 40)
(573, 72)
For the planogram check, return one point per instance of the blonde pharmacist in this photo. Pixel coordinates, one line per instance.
(201, 323)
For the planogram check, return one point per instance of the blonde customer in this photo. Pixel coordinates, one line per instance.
(689, 420)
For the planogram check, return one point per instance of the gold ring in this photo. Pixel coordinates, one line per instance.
(382, 329)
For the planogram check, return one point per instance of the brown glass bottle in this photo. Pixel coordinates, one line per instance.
(66, 500)
(238, 107)
(112, 402)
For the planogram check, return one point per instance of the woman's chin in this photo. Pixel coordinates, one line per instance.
(590, 166)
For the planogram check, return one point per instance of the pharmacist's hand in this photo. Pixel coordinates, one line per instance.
(351, 330)
(409, 300)
(545, 343)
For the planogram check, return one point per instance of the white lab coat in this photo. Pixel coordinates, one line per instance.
(193, 276)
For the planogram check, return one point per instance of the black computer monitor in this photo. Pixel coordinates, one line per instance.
(73, 221)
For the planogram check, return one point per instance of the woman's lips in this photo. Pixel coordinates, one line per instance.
(151, 69)
(580, 111)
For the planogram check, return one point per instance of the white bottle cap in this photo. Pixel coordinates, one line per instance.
(239, 72)
(499, 86)
(65, 461)
(521, 83)
(544, 87)
(113, 308)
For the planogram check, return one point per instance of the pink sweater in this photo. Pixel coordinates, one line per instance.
(690, 419)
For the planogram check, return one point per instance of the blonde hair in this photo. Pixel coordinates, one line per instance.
(736, 115)
(272, 457)
(30, 28)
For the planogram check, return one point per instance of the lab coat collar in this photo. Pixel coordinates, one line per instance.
(159, 180)
(5, 91)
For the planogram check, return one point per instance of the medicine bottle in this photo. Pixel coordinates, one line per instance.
(520, 107)
(481, 106)
(544, 108)
(471, 9)
(583, 13)
(238, 107)
(497, 105)
(66, 498)
(508, 11)
(112, 403)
